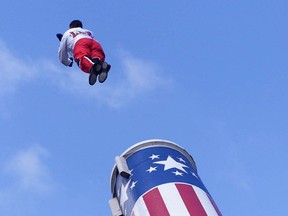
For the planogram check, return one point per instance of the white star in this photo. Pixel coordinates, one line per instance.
(154, 156)
(182, 160)
(133, 185)
(170, 163)
(131, 171)
(178, 173)
(123, 194)
(151, 169)
(194, 174)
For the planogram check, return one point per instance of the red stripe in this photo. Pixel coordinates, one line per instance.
(155, 203)
(191, 200)
(214, 205)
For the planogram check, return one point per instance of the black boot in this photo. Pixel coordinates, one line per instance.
(104, 72)
(94, 71)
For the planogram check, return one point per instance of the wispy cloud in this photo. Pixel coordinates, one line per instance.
(25, 179)
(28, 171)
(13, 70)
(134, 76)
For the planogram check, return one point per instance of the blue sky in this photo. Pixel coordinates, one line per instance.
(210, 76)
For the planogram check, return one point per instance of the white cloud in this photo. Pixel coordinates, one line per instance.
(28, 170)
(13, 70)
(142, 75)
(135, 77)
(25, 179)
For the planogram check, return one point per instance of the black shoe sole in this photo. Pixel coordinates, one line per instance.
(104, 72)
(92, 78)
(95, 70)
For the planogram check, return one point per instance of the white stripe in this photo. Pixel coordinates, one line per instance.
(89, 59)
(205, 201)
(173, 200)
(140, 208)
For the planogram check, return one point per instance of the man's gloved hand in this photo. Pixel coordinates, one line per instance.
(70, 65)
(59, 36)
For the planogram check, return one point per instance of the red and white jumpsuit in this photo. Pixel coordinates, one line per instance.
(80, 44)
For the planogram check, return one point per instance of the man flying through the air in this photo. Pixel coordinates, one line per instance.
(86, 51)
